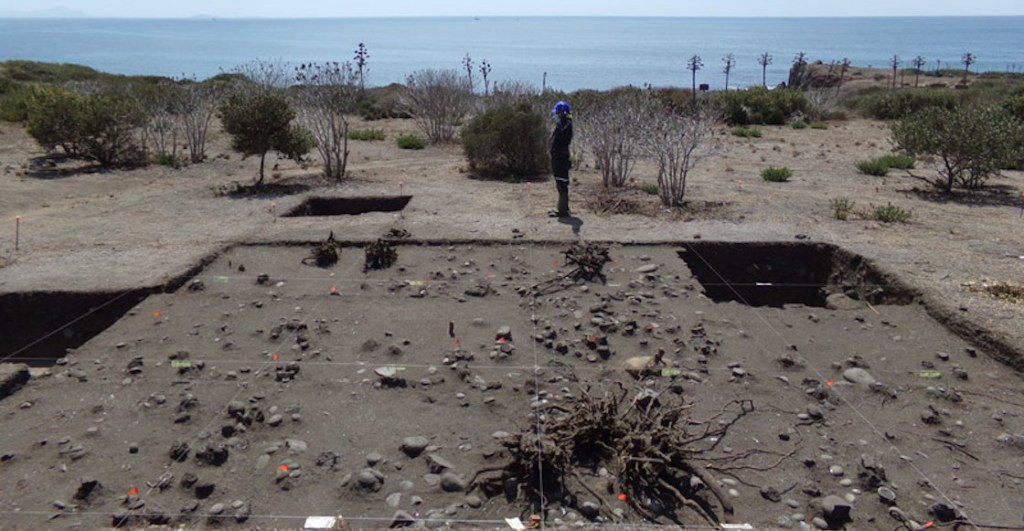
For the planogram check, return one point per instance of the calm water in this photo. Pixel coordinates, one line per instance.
(577, 52)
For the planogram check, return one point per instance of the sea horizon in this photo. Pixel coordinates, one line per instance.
(565, 53)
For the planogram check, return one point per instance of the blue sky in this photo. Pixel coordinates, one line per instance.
(390, 8)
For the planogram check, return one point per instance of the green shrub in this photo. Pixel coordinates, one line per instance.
(37, 72)
(260, 122)
(410, 142)
(873, 167)
(14, 97)
(893, 105)
(841, 208)
(759, 105)
(100, 127)
(164, 158)
(798, 124)
(507, 141)
(890, 214)
(366, 134)
(651, 189)
(819, 125)
(746, 132)
(897, 162)
(972, 144)
(1008, 292)
(776, 175)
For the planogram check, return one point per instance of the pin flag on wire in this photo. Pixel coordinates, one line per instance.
(401, 186)
(17, 231)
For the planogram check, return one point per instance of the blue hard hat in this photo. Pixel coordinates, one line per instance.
(561, 107)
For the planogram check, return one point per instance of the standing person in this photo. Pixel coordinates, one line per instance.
(561, 137)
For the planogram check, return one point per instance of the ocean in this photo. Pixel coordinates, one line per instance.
(565, 53)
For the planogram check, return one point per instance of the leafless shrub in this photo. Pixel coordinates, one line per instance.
(264, 75)
(821, 103)
(611, 129)
(678, 140)
(438, 100)
(325, 95)
(194, 107)
(507, 93)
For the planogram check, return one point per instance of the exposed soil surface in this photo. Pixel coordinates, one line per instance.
(251, 390)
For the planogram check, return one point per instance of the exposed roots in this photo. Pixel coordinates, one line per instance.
(656, 456)
(587, 261)
(325, 254)
(380, 255)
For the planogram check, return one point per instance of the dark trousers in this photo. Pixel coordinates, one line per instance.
(563, 197)
(560, 168)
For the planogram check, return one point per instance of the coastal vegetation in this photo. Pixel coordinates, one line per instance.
(117, 121)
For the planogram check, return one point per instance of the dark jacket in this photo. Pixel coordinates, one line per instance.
(561, 137)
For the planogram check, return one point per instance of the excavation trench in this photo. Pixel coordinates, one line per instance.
(39, 327)
(778, 274)
(348, 206)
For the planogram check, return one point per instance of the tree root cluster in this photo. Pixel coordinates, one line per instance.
(655, 456)
(380, 255)
(325, 254)
(587, 261)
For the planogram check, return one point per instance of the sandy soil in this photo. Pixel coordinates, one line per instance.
(947, 440)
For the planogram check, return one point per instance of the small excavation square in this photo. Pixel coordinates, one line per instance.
(348, 206)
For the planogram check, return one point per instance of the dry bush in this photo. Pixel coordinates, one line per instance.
(326, 94)
(611, 128)
(678, 141)
(438, 100)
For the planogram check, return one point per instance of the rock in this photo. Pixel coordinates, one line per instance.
(86, 487)
(204, 489)
(649, 268)
(394, 500)
(373, 458)
(414, 446)
(401, 519)
(887, 496)
(217, 508)
(858, 375)
(943, 512)
(242, 512)
(438, 464)
(836, 470)
(369, 480)
(835, 509)
(819, 522)
(452, 482)
(327, 460)
(839, 301)
(262, 461)
(275, 421)
(296, 446)
(503, 333)
(432, 480)
(213, 455)
(643, 366)
(771, 494)
(589, 510)
(474, 501)
(179, 451)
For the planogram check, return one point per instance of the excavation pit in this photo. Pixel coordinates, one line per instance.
(340, 372)
(780, 274)
(349, 206)
(39, 327)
